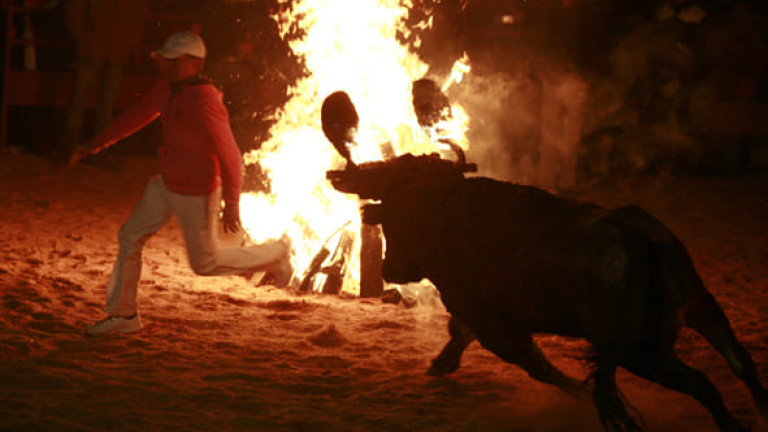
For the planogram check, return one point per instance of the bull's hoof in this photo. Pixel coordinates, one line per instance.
(439, 369)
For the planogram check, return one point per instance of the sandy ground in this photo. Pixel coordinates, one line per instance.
(221, 354)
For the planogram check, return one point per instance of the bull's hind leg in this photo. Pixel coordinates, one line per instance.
(610, 403)
(669, 371)
(520, 349)
(450, 357)
(707, 318)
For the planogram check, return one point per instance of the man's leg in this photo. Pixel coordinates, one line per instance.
(198, 217)
(149, 215)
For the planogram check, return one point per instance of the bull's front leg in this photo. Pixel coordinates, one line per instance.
(450, 357)
(520, 349)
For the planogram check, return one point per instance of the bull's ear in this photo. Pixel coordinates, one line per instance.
(334, 175)
(342, 181)
(373, 214)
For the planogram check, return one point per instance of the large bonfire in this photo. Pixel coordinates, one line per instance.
(349, 46)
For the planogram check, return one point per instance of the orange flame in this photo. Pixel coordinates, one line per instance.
(349, 46)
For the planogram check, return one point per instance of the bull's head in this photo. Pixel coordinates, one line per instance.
(375, 180)
(407, 188)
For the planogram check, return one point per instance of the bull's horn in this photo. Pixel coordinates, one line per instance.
(461, 161)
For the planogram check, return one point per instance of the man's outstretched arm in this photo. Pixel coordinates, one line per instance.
(134, 118)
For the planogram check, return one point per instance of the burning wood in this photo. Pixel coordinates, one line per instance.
(337, 269)
(332, 262)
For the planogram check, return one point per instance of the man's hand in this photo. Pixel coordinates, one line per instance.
(81, 152)
(230, 218)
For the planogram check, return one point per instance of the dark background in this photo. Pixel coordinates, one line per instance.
(681, 73)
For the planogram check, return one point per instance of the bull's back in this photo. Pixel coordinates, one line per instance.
(533, 259)
(673, 268)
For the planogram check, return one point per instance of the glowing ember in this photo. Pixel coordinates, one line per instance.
(349, 46)
(459, 69)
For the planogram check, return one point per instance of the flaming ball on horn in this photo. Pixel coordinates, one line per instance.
(432, 107)
(340, 120)
(430, 104)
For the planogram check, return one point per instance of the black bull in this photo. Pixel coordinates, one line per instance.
(511, 261)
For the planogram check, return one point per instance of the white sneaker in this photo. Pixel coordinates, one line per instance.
(279, 273)
(115, 324)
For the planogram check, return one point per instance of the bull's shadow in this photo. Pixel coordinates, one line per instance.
(511, 261)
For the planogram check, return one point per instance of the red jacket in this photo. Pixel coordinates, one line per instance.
(198, 146)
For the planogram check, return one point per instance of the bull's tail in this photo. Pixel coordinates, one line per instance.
(675, 285)
(677, 296)
(703, 314)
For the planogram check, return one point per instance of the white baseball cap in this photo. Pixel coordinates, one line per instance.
(179, 44)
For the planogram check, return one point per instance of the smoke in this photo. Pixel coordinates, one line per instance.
(585, 93)
(525, 122)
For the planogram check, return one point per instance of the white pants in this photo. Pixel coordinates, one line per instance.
(198, 218)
